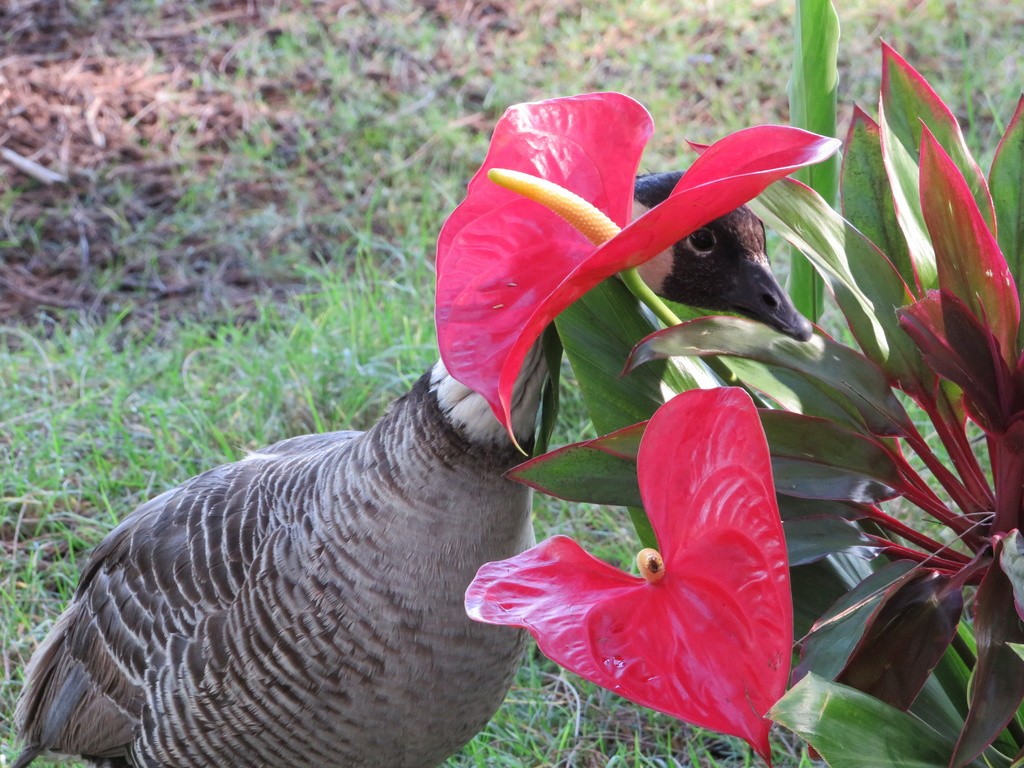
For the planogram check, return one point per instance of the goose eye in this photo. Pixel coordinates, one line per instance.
(702, 240)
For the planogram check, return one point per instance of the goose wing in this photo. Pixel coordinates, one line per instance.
(177, 561)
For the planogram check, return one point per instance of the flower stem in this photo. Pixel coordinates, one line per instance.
(639, 289)
(653, 302)
(904, 553)
(960, 453)
(893, 525)
(1009, 477)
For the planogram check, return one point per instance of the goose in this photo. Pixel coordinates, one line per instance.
(304, 605)
(723, 266)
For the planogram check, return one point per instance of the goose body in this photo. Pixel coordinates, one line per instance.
(304, 606)
(300, 607)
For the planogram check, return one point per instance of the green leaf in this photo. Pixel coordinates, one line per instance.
(850, 729)
(847, 371)
(1012, 562)
(598, 332)
(595, 471)
(813, 87)
(807, 480)
(867, 287)
(624, 443)
(812, 106)
(839, 627)
(552, 347)
(1005, 182)
(792, 508)
(797, 393)
(816, 586)
(821, 460)
(809, 539)
(867, 196)
(953, 674)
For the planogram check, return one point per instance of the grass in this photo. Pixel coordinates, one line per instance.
(270, 275)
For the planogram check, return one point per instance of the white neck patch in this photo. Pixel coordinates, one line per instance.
(463, 407)
(471, 413)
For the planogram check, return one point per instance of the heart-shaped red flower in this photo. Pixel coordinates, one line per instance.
(710, 642)
(506, 266)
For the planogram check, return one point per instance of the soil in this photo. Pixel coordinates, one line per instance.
(79, 120)
(96, 102)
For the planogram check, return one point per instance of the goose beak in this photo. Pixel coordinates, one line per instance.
(756, 294)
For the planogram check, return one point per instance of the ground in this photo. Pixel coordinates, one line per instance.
(217, 222)
(194, 156)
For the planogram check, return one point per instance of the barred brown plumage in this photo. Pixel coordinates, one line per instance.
(304, 606)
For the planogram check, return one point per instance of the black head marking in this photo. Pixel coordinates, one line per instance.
(724, 265)
(653, 188)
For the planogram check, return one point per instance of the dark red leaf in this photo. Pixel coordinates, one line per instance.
(967, 256)
(998, 684)
(837, 630)
(710, 642)
(904, 639)
(823, 451)
(957, 347)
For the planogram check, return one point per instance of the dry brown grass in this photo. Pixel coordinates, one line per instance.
(107, 121)
(136, 107)
(73, 103)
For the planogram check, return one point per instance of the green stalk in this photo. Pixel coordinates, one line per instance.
(812, 106)
(654, 303)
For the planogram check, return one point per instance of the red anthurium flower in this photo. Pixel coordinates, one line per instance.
(506, 266)
(706, 636)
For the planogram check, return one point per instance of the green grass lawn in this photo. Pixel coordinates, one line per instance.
(248, 255)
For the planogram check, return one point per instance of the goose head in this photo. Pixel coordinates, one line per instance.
(722, 266)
